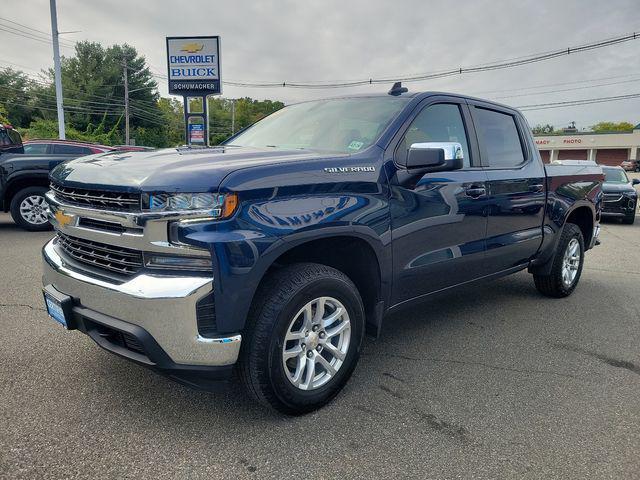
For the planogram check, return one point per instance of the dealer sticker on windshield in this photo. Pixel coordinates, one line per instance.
(355, 145)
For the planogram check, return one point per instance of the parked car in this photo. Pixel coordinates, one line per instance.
(24, 179)
(10, 140)
(272, 254)
(63, 147)
(132, 148)
(630, 165)
(620, 196)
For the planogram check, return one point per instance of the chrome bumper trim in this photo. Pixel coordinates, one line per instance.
(165, 306)
(594, 237)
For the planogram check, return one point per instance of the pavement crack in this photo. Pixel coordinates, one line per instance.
(391, 392)
(22, 305)
(614, 362)
(455, 431)
(615, 235)
(391, 375)
(481, 364)
(626, 272)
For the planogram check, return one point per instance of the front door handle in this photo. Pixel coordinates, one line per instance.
(539, 187)
(475, 191)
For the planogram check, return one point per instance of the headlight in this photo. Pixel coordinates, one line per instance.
(214, 205)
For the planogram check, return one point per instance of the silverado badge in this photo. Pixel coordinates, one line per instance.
(349, 169)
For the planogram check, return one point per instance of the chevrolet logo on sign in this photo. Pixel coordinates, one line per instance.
(192, 47)
(63, 219)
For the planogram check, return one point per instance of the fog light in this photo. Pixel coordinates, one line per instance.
(153, 260)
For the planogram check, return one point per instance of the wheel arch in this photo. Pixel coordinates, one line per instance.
(355, 254)
(15, 184)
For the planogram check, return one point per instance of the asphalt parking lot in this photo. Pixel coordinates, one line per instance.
(490, 382)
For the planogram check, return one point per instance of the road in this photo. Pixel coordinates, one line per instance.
(490, 382)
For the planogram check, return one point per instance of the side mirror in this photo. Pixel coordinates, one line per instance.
(434, 157)
(635, 181)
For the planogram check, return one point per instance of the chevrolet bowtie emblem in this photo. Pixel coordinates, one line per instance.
(192, 47)
(63, 219)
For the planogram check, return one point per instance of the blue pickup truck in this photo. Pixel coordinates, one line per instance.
(270, 256)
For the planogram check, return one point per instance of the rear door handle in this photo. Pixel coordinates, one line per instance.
(536, 188)
(475, 191)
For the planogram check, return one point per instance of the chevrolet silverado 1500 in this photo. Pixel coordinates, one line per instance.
(271, 255)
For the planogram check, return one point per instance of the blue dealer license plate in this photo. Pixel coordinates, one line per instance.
(54, 309)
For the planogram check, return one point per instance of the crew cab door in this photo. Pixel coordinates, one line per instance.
(437, 219)
(516, 186)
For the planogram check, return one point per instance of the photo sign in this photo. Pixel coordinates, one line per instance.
(194, 65)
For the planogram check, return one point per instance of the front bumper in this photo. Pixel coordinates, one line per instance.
(158, 311)
(624, 206)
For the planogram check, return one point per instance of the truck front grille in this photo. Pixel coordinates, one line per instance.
(612, 197)
(100, 255)
(99, 199)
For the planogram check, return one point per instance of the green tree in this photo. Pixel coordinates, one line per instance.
(247, 112)
(612, 127)
(16, 97)
(173, 118)
(543, 129)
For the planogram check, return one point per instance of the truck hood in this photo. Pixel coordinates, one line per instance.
(608, 187)
(169, 170)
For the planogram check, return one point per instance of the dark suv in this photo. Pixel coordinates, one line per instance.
(620, 196)
(10, 141)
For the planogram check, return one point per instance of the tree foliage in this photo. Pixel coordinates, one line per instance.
(543, 129)
(93, 88)
(612, 127)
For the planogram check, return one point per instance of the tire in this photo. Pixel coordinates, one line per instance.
(555, 284)
(35, 218)
(629, 219)
(278, 311)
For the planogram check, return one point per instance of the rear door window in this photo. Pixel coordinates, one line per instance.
(36, 148)
(71, 149)
(499, 138)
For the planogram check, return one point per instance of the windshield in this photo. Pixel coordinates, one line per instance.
(615, 175)
(345, 125)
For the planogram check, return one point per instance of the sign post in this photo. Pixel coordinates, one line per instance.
(193, 69)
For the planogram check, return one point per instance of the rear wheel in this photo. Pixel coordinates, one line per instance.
(567, 265)
(29, 209)
(303, 338)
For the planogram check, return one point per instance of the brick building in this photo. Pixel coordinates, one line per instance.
(605, 148)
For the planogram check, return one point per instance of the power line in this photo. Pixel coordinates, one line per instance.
(19, 33)
(39, 33)
(573, 103)
(497, 65)
(557, 84)
(567, 89)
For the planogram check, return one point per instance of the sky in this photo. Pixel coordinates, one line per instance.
(329, 40)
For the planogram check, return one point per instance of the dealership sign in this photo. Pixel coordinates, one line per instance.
(194, 65)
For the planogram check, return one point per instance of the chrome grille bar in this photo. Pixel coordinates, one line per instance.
(98, 199)
(100, 255)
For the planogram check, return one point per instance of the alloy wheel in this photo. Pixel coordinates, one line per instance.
(316, 343)
(33, 209)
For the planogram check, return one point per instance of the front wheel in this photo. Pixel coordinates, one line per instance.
(567, 265)
(303, 338)
(29, 209)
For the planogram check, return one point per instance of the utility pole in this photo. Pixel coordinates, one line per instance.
(126, 102)
(56, 68)
(233, 116)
